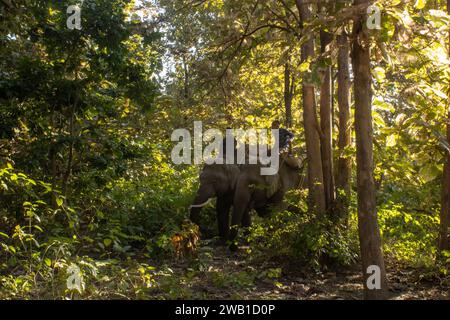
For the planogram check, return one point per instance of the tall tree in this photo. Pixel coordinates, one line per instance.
(326, 124)
(444, 241)
(369, 233)
(315, 173)
(344, 141)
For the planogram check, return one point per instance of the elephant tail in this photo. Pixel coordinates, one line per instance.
(201, 205)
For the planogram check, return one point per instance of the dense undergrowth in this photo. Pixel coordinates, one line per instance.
(91, 205)
(118, 242)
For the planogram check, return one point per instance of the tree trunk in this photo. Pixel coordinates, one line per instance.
(326, 127)
(66, 176)
(444, 237)
(369, 233)
(52, 158)
(344, 141)
(288, 94)
(315, 173)
(186, 79)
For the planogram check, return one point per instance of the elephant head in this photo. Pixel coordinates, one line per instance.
(216, 181)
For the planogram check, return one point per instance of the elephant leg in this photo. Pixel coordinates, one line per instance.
(276, 202)
(246, 219)
(277, 198)
(223, 216)
(263, 211)
(240, 205)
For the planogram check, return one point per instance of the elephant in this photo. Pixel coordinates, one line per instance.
(216, 181)
(227, 182)
(261, 193)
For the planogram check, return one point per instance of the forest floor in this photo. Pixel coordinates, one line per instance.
(218, 274)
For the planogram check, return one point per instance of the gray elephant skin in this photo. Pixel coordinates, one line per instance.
(244, 188)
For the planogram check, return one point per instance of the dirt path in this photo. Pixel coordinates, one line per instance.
(218, 274)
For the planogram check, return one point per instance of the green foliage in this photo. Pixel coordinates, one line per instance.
(409, 226)
(87, 187)
(301, 237)
(409, 236)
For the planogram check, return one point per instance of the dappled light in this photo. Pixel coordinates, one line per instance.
(224, 149)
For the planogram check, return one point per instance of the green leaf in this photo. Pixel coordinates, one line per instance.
(48, 261)
(379, 73)
(429, 172)
(420, 4)
(59, 201)
(4, 185)
(4, 235)
(107, 242)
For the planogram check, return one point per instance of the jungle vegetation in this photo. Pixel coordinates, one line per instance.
(88, 188)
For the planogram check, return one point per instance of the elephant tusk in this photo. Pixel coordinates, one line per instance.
(201, 205)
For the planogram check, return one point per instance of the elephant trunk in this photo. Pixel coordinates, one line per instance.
(204, 196)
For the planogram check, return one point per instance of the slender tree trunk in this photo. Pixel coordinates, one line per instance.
(186, 79)
(343, 94)
(71, 146)
(288, 94)
(73, 110)
(444, 237)
(369, 233)
(326, 127)
(52, 157)
(315, 173)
